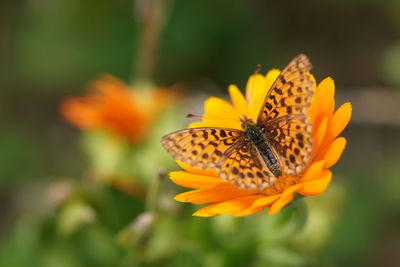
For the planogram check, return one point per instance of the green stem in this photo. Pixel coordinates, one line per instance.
(153, 193)
(150, 16)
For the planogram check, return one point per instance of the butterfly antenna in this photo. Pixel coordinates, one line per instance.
(193, 116)
(258, 68)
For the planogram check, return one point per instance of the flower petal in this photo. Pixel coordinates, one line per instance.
(323, 102)
(290, 190)
(220, 113)
(313, 172)
(334, 152)
(256, 90)
(319, 134)
(258, 205)
(279, 204)
(317, 186)
(221, 192)
(205, 211)
(238, 100)
(339, 120)
(195, 170)
(195, 181)
(234, 205)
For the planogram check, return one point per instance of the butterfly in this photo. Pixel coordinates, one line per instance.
(279, 143)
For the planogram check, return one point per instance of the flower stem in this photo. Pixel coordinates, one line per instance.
(150, 16)
(153, 193)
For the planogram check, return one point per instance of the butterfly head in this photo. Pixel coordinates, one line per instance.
(246, 122)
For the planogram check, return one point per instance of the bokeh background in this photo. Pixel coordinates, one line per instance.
(51, 49)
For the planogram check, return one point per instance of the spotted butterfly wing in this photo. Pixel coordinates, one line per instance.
(201, 147)
(226, 150)
(284, 118)
(244, 167)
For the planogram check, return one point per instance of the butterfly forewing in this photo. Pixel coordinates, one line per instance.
(284, 117)
(201, 147)
(244, 167)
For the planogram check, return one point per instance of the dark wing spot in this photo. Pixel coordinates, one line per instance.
(296, 151)
(235, 170)
(223, 133)
(194, 152)
(298, 100)
(301, 144)
(213, 143)
(259, 174)
(218, 153)
(292, 158)
(251, 175)
(299, 136)
(205, 156)
(279, 91)
(299, 89)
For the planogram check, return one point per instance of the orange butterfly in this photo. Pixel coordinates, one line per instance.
(278, 144)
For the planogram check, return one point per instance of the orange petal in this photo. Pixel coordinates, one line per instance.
(256, 90)
(290, 190)
(194, 181)
(79, 112)
(238, 100)
(313, 171)
(198, 124)
(279, 204)
(258, 205)
(317, 186)
(339, 120)
(194, 170)
(334, 152)
(219, 113)
(323, 100)
(319, 134)
(234, 205)
(205, 211)
(221, 192)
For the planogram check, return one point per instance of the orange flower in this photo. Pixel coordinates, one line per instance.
(224, 198)
(113, 107)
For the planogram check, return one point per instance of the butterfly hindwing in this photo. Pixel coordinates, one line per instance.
(293, 141)
(201, 147)
(284, 117)
(244, 167)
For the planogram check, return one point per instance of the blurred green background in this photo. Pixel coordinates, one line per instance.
(51, 49)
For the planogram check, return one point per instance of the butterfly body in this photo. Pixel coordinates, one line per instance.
(278, 143)
(259, 140)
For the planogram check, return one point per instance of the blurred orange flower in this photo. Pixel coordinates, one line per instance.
(112, 106)
(223, 197)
